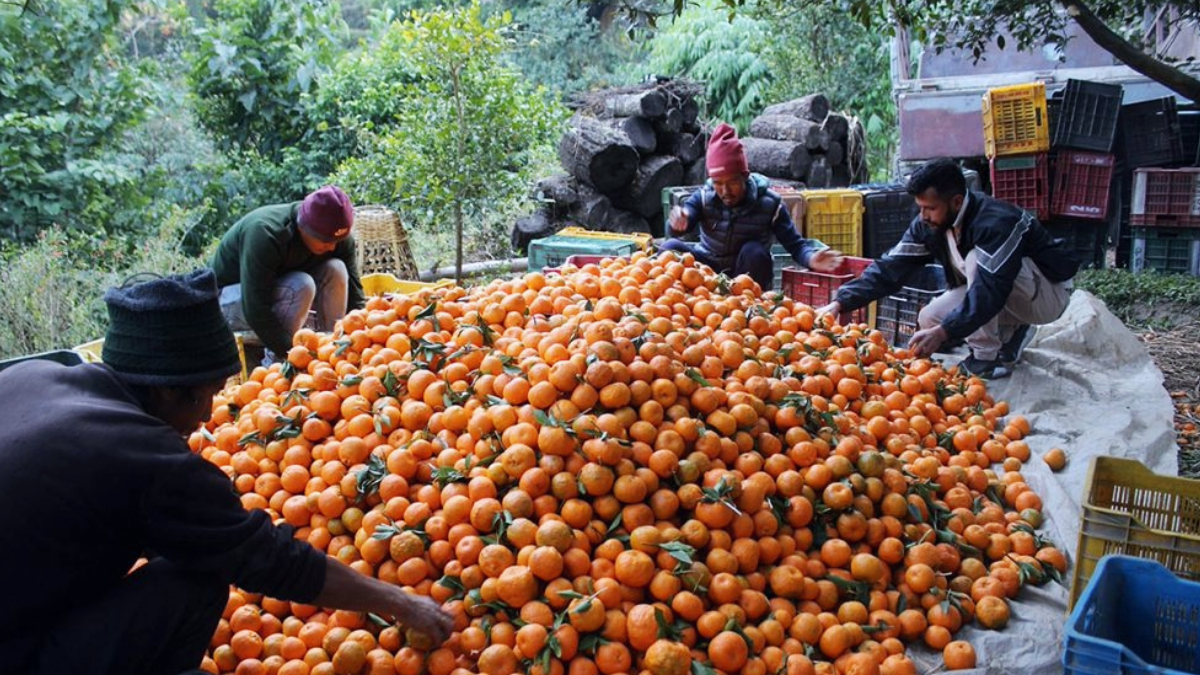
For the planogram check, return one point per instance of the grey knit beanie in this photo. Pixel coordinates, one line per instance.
(169, 332)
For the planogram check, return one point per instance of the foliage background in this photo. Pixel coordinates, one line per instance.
(134, 132)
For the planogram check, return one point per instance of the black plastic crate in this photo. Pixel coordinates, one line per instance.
(886, 216)
(1087, 116)
(1170, 250)
(1189, 132)
(1087, 238)
(1150, 133)
(896, 315)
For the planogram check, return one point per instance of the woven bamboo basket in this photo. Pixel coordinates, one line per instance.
(382, 243)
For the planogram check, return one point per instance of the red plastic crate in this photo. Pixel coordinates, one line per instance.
(817, 289)
(1166, 198)
(1023, 180)
(1081, 184)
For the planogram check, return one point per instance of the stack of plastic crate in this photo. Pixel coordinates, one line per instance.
(1165, 219)
(1016, 135)
(1083, 168)
(817, 289)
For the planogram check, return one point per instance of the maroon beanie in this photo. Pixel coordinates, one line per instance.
(726, 156)
(327, 214)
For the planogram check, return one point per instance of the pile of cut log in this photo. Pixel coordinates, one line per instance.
(622, 147)
(802, 140)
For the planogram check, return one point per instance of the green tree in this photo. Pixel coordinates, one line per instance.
(1118, 26)
(705, 45)
(466, 132)
(822, 50)
(66, 94)
(561, 47)
(252, 65)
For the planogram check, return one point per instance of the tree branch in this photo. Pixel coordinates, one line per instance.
(1169, 76)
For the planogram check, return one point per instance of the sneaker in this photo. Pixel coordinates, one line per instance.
(1013, 349)
(988, 370)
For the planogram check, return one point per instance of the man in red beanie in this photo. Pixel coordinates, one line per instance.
(279, 261)
(738, 215)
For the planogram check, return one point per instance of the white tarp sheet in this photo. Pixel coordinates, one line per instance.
(1087, 385)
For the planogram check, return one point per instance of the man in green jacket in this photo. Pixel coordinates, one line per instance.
(280, 261)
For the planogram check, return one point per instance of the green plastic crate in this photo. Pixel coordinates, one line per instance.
(1172, 250)
(554, 250)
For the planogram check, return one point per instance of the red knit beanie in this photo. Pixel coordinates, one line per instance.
(726, 156)
(327, 214)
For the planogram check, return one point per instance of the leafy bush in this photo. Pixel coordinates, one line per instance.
(252, 64)
(54, 286)
(65, 93)
(727, 55)
(1140, 300)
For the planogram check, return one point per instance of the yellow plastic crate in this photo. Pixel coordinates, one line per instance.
(834, 217)
(1015, 121)
(381, 282)
(1130, 510)
(643, 240)
(90, 351)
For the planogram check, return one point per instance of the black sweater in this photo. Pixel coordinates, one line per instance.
(89, 482)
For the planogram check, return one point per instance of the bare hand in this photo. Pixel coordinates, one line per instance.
(423, 614)
(678, 219)
(925, 342)
(832, 309)
(826, 260)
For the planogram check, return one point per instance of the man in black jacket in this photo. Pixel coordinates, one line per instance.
(1005, 272)
(95, 473)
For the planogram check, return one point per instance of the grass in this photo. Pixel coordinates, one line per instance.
(1145, 301)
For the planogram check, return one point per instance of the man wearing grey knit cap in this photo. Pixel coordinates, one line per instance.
(95, 474)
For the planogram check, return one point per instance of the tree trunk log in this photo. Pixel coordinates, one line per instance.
(628, 223)
(790, 128)
(784, 159)
(812, 107)
(556, 192)
(840, 176)
(593, 210)
(670, 123)
(597, 155)
(651, 103)
(856, 153)
(835, 154)
(540, 223)
(818, 173)
(837, 126)
(687, 147)
(644, 194)
(639, 131)
(695, 173)
(690, 109)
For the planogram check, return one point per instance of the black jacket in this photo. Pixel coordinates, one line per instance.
(89, 481)
(1002, 233)
(760, 217)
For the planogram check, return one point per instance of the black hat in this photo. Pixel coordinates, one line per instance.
(169, 332)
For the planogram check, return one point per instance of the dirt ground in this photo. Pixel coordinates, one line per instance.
(1176, 351)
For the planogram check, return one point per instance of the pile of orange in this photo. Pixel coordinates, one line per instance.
(633, 467)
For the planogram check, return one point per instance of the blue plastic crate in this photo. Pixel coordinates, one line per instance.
(1134, 618)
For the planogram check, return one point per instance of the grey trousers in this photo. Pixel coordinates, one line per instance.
(1034, 300)
(325, 290)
